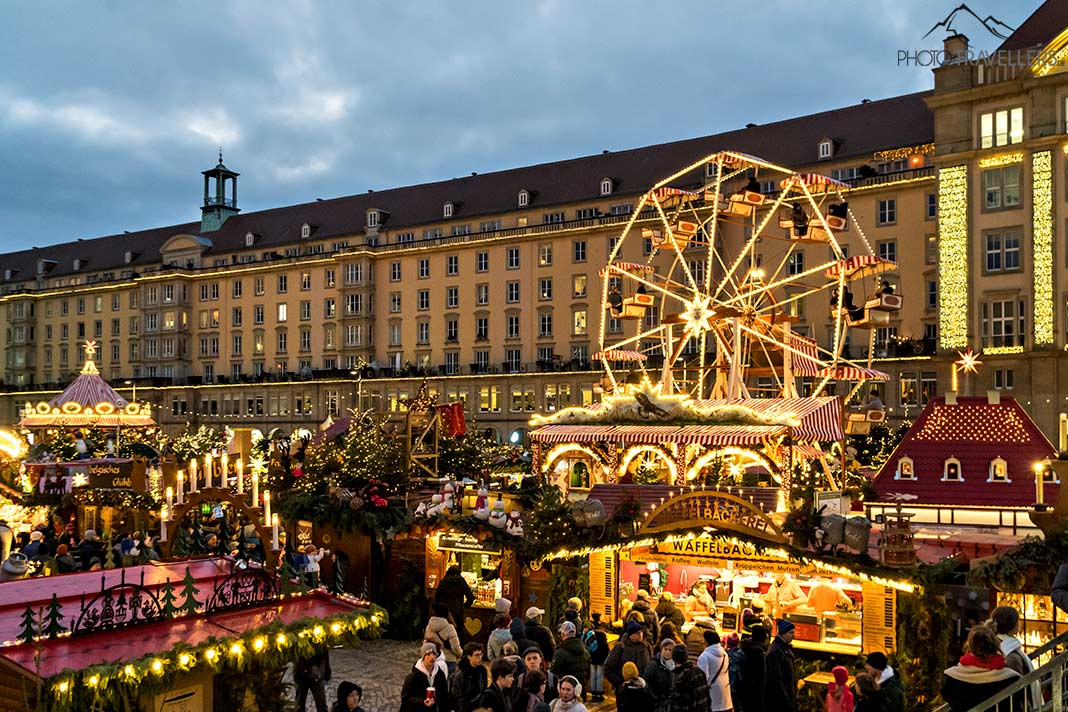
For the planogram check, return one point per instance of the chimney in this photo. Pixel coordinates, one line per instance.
(951, 398)
(956, 49)
(993, 397)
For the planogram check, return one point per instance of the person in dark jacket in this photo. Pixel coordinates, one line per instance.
(349, 695)
(631, 648)
(498, 696)
(596, 643)
(781, 689)
(454, 592)
(89, 548)
(634, 695)
(539, 634)
(310, 675)
(659, 676)
(468, 683)
(867, 697)
(749, 696)
(652, 625)
(1059, 592)
(518, 629)
(888, 681)
(64, 561)
(424, 675)
(690, 690)
(532, 660)
(571, 657)
(666, 610)
(532, 697)
(980, 675)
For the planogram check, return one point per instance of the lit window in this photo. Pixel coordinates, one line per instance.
(951, 471)
(999, 471)
(1001, 187)
(1000, 128)
(906, 469)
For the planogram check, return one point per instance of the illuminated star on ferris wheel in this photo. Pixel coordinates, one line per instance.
(698, 315)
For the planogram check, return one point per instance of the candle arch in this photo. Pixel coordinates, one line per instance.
(217, 494)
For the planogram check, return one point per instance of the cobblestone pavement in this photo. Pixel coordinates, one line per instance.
(379, 667)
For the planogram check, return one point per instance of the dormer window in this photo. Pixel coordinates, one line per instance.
(78, 263)
(8, 274)
(999, 471)
(826, 148)
(250, 239)
(951, 471)
(130, 256)
(372, 218)
(906, 469)
(446, 210)
(524, 198)
(606, 186)
(305, 231)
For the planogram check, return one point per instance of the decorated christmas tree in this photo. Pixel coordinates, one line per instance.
(27, 625)
(109, 558)
(167, 599)
(53, 619)
(189, 603)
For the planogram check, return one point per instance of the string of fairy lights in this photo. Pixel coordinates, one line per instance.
(953, 257)
(1042, 243)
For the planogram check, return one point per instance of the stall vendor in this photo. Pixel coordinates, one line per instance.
(825, 596)
(784, 596)
(699, 603)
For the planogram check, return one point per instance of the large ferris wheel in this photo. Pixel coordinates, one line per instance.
(725, 272)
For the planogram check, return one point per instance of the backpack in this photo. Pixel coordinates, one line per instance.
(589, 641)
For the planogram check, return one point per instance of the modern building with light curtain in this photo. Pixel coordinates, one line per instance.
(489, 284)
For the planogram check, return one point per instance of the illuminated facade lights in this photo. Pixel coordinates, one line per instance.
(1002, 159)
(953, 257)
(1042, 239)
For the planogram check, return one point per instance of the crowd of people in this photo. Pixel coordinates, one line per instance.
(43, 550)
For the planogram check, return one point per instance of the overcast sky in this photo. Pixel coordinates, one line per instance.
(109, 110)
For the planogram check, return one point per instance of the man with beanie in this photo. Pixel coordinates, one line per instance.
(426, 673)
(749, 696)
(659, 675)
(690, 691)
(571, 657)
(64, 561)
(889, 681)
(631, 648)
(781, 677)
(539, 634)
(634, 694)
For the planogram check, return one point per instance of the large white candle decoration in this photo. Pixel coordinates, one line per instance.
(267, 507)
(181, 492)
(193, 475)
(207, 471)
(274, 529)
(224, 470)
(255, 489)
(170, 498)
(164, 517)
(240, 466)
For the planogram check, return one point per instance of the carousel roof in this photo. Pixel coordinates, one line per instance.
(88, 400)
(975, 431)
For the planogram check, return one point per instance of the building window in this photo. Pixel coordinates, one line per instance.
(446, 211)
(930, 249)
(550, 218)
(512, 322)
(283, 341)
(1003, 323)
(1001, 187)
(422, 333)
(424, 268)
(1003, 251)
(257, 286)
(305, 311)
(329, 308)
(622, 209)
(795, 263)
(545, 288)
(452, 297)
(452, 265)
(283, 312)
(578, 321)
(545, 324)
(524, 198)
(512, 258)
(887, 211)
(394, 334)
(825, 149)
(932, 206)
(906, 469)
(951, 471)
(372, 218)
(1001, 128)
(1004, 379)
(394, 271)
(452, 330)
(482, 328)
(423, 299)
(490, 226)
(452, 363)
(887, 249)
(512, 292)
(606, 186)
(482, 262)
(578, 286)
(257, 314)
(545, 255)
(305, 281)
(481, 294)
(578, 251)
(394, 302)
(932, 295)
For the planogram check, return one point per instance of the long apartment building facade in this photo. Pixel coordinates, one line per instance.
(489, 285)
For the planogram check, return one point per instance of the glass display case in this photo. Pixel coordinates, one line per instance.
(1040, 620)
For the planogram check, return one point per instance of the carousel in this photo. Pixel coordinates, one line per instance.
(715, 401)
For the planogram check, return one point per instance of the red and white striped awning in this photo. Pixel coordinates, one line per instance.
(711, 435)
(821, 418)
(618, 355)
(801, 451)
(812, 181)
(807, 362)
(864, 264)
(668, 192)
(626, 267)
(850, 372)
(88, 389)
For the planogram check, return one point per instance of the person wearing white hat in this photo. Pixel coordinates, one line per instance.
(539, 634)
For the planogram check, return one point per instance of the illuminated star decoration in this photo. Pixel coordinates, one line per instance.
(969, 361)
(698, 315)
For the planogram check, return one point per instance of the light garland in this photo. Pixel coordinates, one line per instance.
(995, 350)
(293, 641)
(896, 154)
(1002, 159)
(1042, 243)
(953, 257)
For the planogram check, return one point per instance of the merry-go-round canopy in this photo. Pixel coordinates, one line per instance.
(88, 400)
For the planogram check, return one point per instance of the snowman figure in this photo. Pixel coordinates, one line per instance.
(449, 499)
(515, 523)
(437, 506)
(497, 517)
(482, 510)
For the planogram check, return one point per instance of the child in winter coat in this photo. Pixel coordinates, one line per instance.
(634, 695)
(839, 696)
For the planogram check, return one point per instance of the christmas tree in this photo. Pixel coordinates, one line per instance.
(27, 626)
(167, 599)
(53, 620)
(109, 559)
(189, 591)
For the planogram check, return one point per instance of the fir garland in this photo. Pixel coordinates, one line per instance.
(113, 685)
(124, 498)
